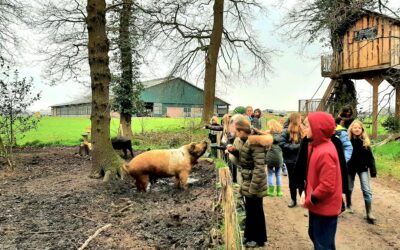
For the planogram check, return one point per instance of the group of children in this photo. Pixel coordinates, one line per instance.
(322, 156)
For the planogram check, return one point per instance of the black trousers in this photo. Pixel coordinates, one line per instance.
(255, 228)
(292, 181)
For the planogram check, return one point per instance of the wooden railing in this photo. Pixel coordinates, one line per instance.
(330, 65)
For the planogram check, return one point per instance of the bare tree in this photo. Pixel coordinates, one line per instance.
(105, 161)
(11, 16)
(64, 39)
(212, 35)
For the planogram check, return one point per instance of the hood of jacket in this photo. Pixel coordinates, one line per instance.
(322, 127)
(262, 140)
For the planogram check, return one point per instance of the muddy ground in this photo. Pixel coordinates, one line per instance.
(49, 202)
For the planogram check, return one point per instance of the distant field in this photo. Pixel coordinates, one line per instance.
(67, 131)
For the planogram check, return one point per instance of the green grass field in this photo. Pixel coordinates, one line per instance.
(67, 131)
(162, 133)
(387, 159)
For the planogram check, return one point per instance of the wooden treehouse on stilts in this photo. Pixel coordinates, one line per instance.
(371, 51)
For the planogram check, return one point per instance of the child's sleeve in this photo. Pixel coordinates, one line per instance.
(347, 146)
(371, 163)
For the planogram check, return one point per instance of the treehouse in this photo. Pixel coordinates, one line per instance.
(370, 50)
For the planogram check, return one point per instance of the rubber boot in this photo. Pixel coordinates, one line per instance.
(271, 191)
(370, 218)
(279, 191)
(348, 204)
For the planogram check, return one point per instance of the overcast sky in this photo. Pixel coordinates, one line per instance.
(295, 76)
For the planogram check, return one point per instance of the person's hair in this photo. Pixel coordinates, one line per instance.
(257, 110)
(214, 119)
(225, 122)
(294, 129)
(243, 125)
(274, 126)
(346, 109)
(364, 136)
(249, 107)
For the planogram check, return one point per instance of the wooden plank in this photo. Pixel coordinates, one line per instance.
(345, 50)
(386, 39)
(363, 46)
(358, 70)
(398, 101)
(357, 52)
(395, 48)
(375, 81)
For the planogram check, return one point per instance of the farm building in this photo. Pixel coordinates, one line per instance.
(164, 97)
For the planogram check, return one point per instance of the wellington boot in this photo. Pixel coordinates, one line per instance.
(279, 191)
(370, 217)
(271, 191)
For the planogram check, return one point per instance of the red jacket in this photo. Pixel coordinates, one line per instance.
(324, 181)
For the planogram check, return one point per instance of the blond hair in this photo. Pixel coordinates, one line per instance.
(274, 126)
(364, 136)
(225, 121)
(214, 119)
(295, 131)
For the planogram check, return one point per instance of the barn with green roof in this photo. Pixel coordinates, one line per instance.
(163, 97)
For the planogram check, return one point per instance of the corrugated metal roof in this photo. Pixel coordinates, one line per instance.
(83, 100)
(154, 82)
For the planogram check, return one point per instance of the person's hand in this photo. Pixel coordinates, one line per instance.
(303, 199)
(230, 148)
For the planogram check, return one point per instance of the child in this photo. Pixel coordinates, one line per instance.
(323, 189)
(361, 160)
(212, 135)
(251, 156)
(274, 159)
(290, 144)
(256, 122)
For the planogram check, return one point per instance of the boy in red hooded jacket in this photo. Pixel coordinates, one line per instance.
(323, 188)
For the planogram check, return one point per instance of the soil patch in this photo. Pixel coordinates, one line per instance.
(49, 202)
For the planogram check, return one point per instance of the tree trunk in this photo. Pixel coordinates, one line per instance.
(126, 66)
(211, 61)
(104, 159)
(126, 126)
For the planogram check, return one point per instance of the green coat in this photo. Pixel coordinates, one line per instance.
(252, 163)
(273, 157)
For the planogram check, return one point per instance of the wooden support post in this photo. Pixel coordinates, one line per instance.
(375, 81)
(322, 106)
(398, 101)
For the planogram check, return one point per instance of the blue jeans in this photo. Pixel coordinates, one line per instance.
(322, 231)
(365, 187)
(277, 172)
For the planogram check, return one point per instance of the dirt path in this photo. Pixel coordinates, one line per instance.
(50, 203)
(287, 227)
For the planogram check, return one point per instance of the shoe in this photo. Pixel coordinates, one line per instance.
(250, 244)
(271, 191)
(350, 210)
(284, 170)
(279, 191)
(292, 204)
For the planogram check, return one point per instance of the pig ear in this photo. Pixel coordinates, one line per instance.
(192, 147)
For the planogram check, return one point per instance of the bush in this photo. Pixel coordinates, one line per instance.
(392, 124)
